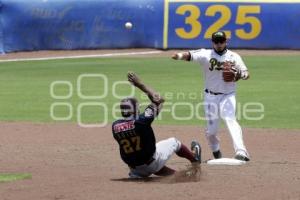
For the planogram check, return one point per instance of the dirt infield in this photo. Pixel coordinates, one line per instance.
(69, 162)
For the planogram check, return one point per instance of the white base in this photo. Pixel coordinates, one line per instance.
(225, 161)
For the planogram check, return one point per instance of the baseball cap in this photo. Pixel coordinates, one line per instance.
(218, 36)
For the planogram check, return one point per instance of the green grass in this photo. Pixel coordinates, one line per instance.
(13, 177)
(25, 88)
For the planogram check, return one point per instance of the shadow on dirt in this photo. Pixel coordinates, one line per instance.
(192, 173)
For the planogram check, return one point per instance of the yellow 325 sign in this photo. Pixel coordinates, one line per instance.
(242, 17)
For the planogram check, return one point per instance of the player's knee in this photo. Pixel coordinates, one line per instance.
(175, 142)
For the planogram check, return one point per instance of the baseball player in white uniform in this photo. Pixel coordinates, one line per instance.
(222, 69)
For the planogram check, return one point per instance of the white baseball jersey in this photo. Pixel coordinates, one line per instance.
(212, 66)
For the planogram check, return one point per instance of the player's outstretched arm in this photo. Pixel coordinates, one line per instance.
(153, 95)
(182, 56)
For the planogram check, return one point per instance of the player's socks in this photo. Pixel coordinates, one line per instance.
(184, 152)
(217, 154)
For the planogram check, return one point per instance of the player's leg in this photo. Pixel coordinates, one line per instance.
(165, 171)
(227, 113)
(185, 152)
(165, 149)
(211, 109)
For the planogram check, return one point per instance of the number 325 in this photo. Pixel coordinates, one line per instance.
(241, 19)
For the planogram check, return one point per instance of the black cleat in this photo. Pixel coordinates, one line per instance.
(217, 154)
(196, 149)
(241, 157)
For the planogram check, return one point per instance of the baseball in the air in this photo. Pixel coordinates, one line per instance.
(128, 25)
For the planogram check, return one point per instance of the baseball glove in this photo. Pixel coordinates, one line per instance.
(230, 72)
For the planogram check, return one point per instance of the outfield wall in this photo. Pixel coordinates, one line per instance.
(80, 24)
(28, 25)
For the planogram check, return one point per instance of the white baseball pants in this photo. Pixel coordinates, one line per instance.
(164, 150)
(223, 106)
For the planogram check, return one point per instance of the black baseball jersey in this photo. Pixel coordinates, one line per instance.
(136, 137)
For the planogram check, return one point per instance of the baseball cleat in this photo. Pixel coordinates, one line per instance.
(217, 154)
(241, 157)
(196, 149)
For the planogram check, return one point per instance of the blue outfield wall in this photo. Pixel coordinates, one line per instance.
(80, 24)
(27, 25)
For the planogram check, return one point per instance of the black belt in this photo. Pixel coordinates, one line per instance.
(148, 162)
(211, 92)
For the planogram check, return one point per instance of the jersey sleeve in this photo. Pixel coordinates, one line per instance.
(149, 114)
(198, 55)
(240, 63)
